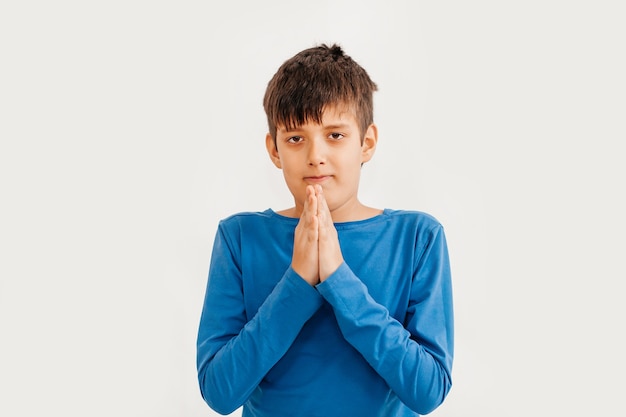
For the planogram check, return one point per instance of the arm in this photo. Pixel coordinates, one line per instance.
(415, 359)
(233, 355)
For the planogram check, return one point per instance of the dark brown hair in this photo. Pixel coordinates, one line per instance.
(314, 78)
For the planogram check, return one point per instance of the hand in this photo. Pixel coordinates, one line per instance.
(305, 261)
(330, 257)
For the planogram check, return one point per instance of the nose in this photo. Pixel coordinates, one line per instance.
(316, 152)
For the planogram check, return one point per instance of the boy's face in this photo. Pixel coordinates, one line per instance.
(329, 154)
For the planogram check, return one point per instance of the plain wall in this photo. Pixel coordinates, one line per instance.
(130, 128)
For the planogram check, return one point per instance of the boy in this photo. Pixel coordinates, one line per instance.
(328, 308)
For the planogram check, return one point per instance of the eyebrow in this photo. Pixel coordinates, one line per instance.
(330, 126)
(337, 126)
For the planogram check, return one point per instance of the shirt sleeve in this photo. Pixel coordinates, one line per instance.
(233, 354)
(414, 358)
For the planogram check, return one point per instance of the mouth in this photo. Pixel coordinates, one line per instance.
(318, 179)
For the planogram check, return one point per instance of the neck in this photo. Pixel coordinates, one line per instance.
(353, 213)
(346, 213)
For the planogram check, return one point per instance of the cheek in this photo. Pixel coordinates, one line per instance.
(353, 169)
(290, 173)
(294, 184)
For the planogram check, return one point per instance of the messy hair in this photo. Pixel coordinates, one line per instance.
(313, 79)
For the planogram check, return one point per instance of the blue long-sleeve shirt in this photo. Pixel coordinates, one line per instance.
(374, 339)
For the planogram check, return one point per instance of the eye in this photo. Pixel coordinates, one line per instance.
(294, 139)
(336, 136)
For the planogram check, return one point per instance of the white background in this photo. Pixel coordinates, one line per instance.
(129, 128)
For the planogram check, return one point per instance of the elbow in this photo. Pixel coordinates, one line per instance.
(219, 401)
(220, 406)
(432, 398)
(436, 401)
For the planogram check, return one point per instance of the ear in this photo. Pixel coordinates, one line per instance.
(369, 143)
(270, 144)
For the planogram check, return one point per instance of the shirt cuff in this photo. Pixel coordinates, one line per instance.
(299, 294)
(339, 284)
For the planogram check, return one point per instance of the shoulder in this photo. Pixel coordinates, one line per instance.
(243, 220)
(245, 217)
(422, 228)
(422, 220)
(429, 240)
(255, 222)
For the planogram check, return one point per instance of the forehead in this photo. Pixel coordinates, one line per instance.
(332, 115)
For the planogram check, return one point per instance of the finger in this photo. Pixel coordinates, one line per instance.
(309, 213)
(307, 196)
(322, 206)
(318, 195)
(307, 202)
(313, 201)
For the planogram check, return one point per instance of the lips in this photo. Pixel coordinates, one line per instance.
(317, 179)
